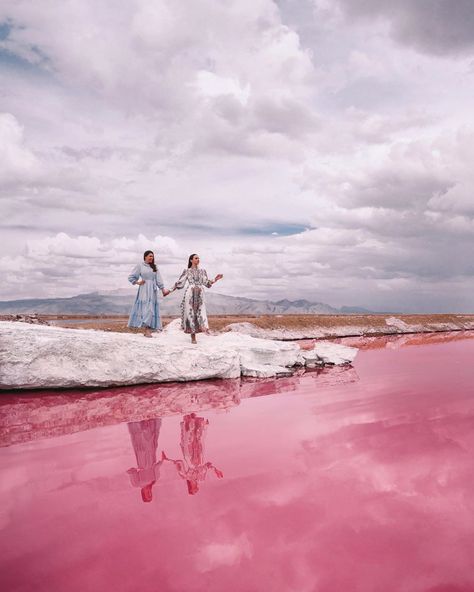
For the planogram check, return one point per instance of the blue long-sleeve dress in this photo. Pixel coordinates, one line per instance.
(146, 308)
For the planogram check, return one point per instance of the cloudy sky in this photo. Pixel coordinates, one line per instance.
(317, 149)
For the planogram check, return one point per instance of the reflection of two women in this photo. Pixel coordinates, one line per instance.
(192, 468)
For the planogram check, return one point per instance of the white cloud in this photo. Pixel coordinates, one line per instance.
(225, 128)
(211, 85)
(16, 160)
(218, 554)
(65, 246)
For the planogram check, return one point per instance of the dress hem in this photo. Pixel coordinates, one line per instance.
(200, 330)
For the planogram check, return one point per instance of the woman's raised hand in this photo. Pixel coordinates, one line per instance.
(140, 282)
(218, 277)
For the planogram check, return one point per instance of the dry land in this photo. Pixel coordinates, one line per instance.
(373, 324)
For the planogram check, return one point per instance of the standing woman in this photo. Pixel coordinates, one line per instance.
(193, 306)
(146, 309)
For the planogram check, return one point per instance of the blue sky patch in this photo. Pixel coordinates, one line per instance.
(5, 29)
(273, 229)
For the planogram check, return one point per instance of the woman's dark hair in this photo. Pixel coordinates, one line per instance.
(190, 259)
(152, 264)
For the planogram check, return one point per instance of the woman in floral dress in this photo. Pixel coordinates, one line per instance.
(146, 309)
(193, 306)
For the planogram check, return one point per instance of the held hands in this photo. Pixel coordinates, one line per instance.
(165, 292)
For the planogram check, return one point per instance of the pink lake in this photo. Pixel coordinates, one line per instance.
(353, 479)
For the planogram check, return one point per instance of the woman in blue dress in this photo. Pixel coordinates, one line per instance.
(146, 309)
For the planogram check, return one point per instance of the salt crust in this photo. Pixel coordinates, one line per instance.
(37, 356)
(394, 326)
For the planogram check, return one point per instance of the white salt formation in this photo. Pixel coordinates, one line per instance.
(36, 356)
(392, 326)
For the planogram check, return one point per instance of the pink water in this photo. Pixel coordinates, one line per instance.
(355, 479)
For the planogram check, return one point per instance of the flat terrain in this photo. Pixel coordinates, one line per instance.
(375, 322)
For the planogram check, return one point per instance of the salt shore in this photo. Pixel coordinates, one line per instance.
(355, 326)
(38, 356)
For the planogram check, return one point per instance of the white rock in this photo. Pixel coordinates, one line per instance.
(334, 353)
(253, 352)
(398, 324)
(265, 371)
(36, 356)
(311, 358)
(283, 334)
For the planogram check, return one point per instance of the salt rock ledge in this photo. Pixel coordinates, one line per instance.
(37, 356)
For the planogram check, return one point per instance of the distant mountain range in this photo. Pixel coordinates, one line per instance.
(120, 302)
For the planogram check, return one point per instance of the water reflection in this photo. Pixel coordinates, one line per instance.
(365, 485)
(35, 415)
(144, 435)
(192, 467)
(395, 342)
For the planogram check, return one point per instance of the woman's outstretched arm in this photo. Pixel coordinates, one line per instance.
(208, 283)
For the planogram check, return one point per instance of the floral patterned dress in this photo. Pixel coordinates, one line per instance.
(193, 305)
(193, 468)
